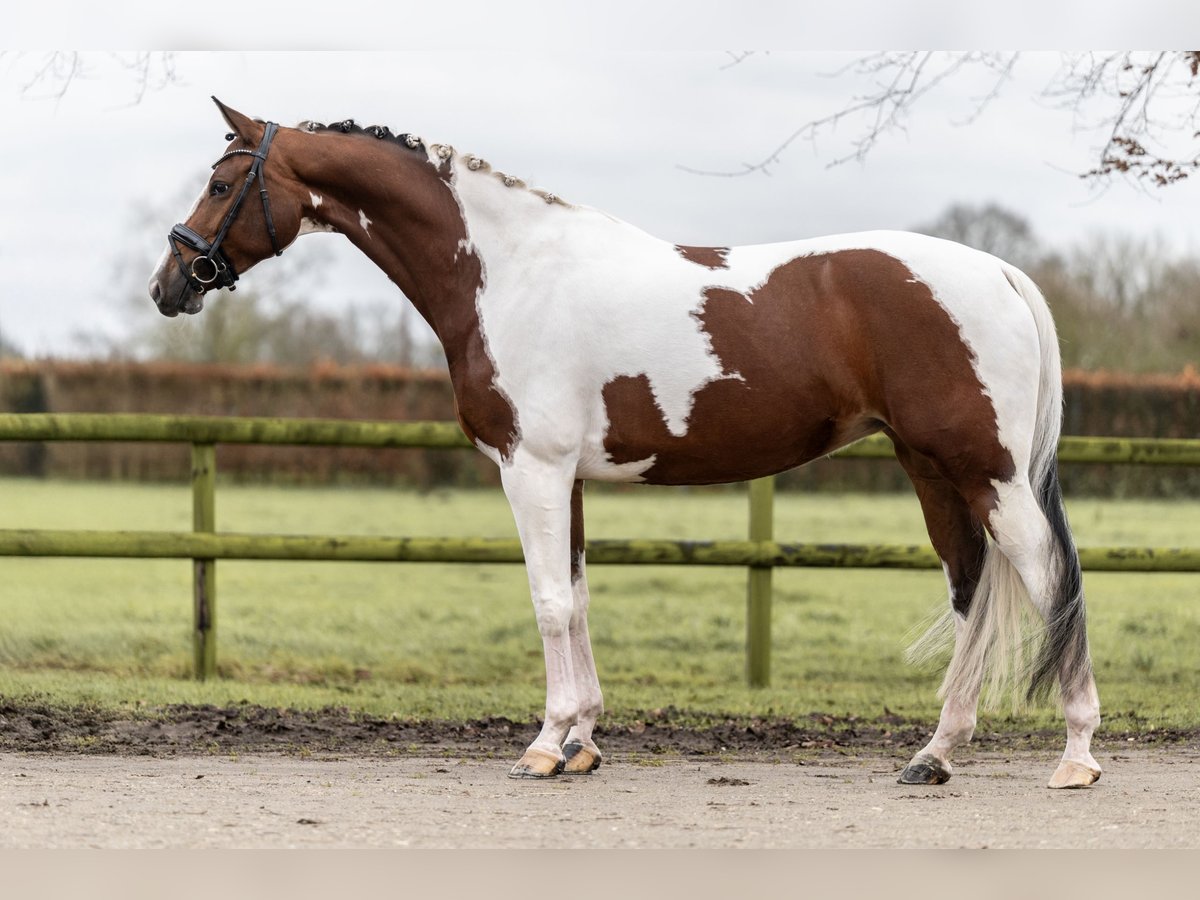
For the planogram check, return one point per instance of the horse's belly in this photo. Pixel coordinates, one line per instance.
(729, 438)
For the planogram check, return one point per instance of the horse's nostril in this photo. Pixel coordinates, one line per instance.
(155, 291)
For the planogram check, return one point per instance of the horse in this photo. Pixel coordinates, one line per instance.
(582, 348)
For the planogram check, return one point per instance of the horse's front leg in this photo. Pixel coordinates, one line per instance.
(540, 495)
(581, 752)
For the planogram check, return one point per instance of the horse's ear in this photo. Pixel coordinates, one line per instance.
(243, 126)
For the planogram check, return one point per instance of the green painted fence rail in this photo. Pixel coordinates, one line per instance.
(760, 555)
(636, 552)
(229, 430)
(139, 427)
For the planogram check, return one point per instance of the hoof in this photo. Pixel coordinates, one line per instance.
(537, 764)
(1071, 774)
(925, 770)
(581, 758)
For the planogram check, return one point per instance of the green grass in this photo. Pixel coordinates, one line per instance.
(440, 641)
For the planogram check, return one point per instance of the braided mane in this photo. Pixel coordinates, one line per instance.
(412, 142)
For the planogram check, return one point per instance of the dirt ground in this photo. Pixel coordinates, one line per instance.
(252, 777)
(1147, 798)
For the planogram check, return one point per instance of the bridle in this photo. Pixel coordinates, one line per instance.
(212, 268)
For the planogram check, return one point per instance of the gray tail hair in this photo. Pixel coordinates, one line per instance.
(1001, 646)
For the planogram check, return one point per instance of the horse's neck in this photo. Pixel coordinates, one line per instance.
(442, 232)
(408, 221)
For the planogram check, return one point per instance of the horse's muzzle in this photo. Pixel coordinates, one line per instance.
(173, 295)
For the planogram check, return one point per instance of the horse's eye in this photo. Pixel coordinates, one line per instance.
(219, 187)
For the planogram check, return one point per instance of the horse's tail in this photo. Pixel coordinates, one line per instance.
(1065, 647)
(993, 645)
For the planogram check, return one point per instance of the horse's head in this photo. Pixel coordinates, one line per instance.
(248, 211)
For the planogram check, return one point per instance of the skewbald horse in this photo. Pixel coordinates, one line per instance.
(580, 347)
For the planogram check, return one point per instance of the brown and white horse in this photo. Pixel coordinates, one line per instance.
(580, 347)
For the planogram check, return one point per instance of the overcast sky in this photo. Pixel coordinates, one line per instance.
(601, 128)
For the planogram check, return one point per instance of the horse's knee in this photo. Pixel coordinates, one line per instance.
(553, 615)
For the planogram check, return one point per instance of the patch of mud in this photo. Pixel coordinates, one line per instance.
(246, 728)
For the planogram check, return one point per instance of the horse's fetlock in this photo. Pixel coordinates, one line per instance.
(591, 708)
(962, 732)
(562, 714)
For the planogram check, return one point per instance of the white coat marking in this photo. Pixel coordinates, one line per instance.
(364, 222)
(312, 226)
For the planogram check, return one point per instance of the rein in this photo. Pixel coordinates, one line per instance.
(212, 266)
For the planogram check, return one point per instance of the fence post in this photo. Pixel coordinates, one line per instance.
(204, 571)
(758, 586)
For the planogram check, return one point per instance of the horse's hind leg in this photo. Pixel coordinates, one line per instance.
(1043, 554)
(582, 755)
(958, 537)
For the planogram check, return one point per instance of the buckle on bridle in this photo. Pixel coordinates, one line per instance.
(212, 262)
(214, 265)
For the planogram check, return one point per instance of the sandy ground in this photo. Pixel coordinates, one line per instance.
(1147, 798)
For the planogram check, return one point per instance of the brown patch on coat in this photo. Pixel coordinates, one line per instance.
(829, 349)
(710, 257)
(956, 532)
(484, 412)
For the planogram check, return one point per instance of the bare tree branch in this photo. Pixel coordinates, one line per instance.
(51, 75)
(152, 71)
(1003, 69)
(901, 79)
(59, 68)
(1147, 114)
(1143, 101)
(736, 57)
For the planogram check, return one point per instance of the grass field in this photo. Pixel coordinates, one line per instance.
(441, 641)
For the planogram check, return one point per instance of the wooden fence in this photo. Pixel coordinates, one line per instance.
(759, 554)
